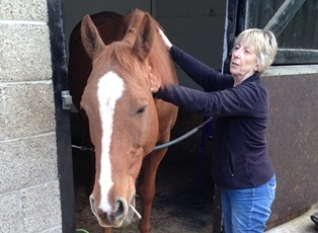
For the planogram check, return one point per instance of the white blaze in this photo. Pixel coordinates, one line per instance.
(110, 89)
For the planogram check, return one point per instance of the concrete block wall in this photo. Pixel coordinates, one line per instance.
(29, 186)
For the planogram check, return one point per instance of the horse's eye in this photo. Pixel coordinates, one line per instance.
(141, 110)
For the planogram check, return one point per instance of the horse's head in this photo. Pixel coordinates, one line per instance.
(123, 119)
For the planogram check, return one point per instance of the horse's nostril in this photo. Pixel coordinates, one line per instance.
(120, 208)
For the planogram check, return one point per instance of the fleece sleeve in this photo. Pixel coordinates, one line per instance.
(208, 78)
(243, 101)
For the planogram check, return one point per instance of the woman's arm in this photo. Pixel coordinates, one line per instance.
(208, 78)
(243, 101)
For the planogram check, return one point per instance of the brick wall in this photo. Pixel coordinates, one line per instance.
(29, 186)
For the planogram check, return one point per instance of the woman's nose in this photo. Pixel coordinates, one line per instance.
(237, 53)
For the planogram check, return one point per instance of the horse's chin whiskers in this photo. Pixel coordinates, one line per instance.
(135, 211)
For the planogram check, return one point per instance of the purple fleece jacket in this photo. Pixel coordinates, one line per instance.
(240, 114)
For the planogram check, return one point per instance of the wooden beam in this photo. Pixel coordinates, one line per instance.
(296, 56)
(283, 16)
(287, 71)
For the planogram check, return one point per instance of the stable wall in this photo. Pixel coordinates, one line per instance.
(293, 142)
(75, 10)
(29, 186)
(195, 26)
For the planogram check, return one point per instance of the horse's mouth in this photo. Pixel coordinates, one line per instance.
(130, 215)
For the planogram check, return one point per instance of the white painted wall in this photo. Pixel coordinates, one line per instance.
(195, 26)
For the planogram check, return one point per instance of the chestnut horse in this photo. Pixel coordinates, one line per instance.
(109, 67)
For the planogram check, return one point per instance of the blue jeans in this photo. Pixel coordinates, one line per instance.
(247, 210)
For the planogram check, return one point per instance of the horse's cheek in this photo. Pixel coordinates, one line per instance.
(152, 130)
(135, 167)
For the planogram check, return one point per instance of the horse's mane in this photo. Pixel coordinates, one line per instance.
(158, 58)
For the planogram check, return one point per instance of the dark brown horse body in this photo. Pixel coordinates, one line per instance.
(110, 56)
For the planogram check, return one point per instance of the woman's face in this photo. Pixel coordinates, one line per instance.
(243, 61)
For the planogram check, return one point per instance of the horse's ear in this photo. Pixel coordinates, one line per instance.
(91, 39)
(144, 38)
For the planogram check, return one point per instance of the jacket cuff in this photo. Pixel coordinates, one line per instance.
(159, 93)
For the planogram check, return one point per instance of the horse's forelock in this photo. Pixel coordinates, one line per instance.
(124, 57)
(158, 58)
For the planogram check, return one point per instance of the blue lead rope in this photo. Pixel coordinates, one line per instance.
(183, 136)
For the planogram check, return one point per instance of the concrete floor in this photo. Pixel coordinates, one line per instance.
(302, 224)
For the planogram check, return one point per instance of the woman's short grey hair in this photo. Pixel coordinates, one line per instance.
(265, 45)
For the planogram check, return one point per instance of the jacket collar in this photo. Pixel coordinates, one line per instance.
(252, 78)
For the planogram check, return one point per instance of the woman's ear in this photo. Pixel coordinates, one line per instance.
(256, 68)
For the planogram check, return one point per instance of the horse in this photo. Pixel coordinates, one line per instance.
(111, 57)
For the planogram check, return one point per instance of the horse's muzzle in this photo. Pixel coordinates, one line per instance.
(120, 215)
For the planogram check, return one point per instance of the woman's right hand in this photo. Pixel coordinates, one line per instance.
(154, 83)
(165, 39)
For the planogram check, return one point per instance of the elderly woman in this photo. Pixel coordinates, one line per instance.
(241, 166)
